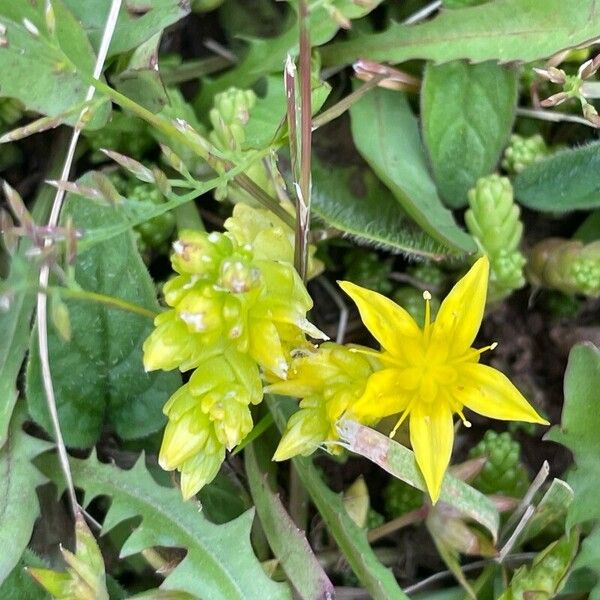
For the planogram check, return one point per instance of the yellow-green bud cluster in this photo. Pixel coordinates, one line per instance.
(523, 151)
(328, 380)
(234, 310)
(229, 116)
(207, 415)
(569, 266)
(493, 219)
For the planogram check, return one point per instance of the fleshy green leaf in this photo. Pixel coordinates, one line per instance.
(354, 201)
(467, 115)
(568, 180)
(288, 543)
(219, 563)
(19, 507)
(502, 30)
(351, 539)
(386, 134)
(400, 462)
(98, 375)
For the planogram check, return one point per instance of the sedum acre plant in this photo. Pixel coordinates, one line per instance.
(431, 373)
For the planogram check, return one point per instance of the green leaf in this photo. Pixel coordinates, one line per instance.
(580, 432)
(15, 322)
(219, 563)
(267, 117)
(386, 134)
(134, 27)
(354, 201)
(46, 83)
(98, 376)
(502, 30)
(19, 507)
(401, 463)
(568, 180)
(288, 543)
(467, 115)
(351, 539)
(140, 80)
(267, 56)
(19, 584)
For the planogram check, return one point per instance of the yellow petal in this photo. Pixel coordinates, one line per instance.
(461, 312)
(491, 394)
(384, 395)
(387, 321)
(431, 436)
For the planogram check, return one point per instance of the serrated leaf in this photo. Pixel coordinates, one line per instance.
(98, 376)
(220, 563)
(354, 201)
(19, 507)
(467, 115)
(46, 83)
(288, 543)
(19, 584)
(400, 462)
(386, 134)
(568, 180)
(580, 431)
(502, 30)
(351, 539)
(266, 56)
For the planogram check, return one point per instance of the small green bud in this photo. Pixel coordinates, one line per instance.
(493, 219)
(503, 472)
(522, 152)
(401, 498)
(569, 266)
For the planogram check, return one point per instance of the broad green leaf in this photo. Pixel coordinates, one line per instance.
(351, 539)
(33, 68)
(567, 180)
(467, 114)
(500, 30)
(19, 507)
(580, 431)
(288, 543)
(354, 201)
(386, 134)
(219, 564)
(98, 375)
(267, 56)
(138, 20)
(400, 462)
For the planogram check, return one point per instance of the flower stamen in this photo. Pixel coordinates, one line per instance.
(427, 324)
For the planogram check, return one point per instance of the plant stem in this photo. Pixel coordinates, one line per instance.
(42, 299)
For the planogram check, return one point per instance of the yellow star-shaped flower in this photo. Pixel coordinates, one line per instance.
(431, 373)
